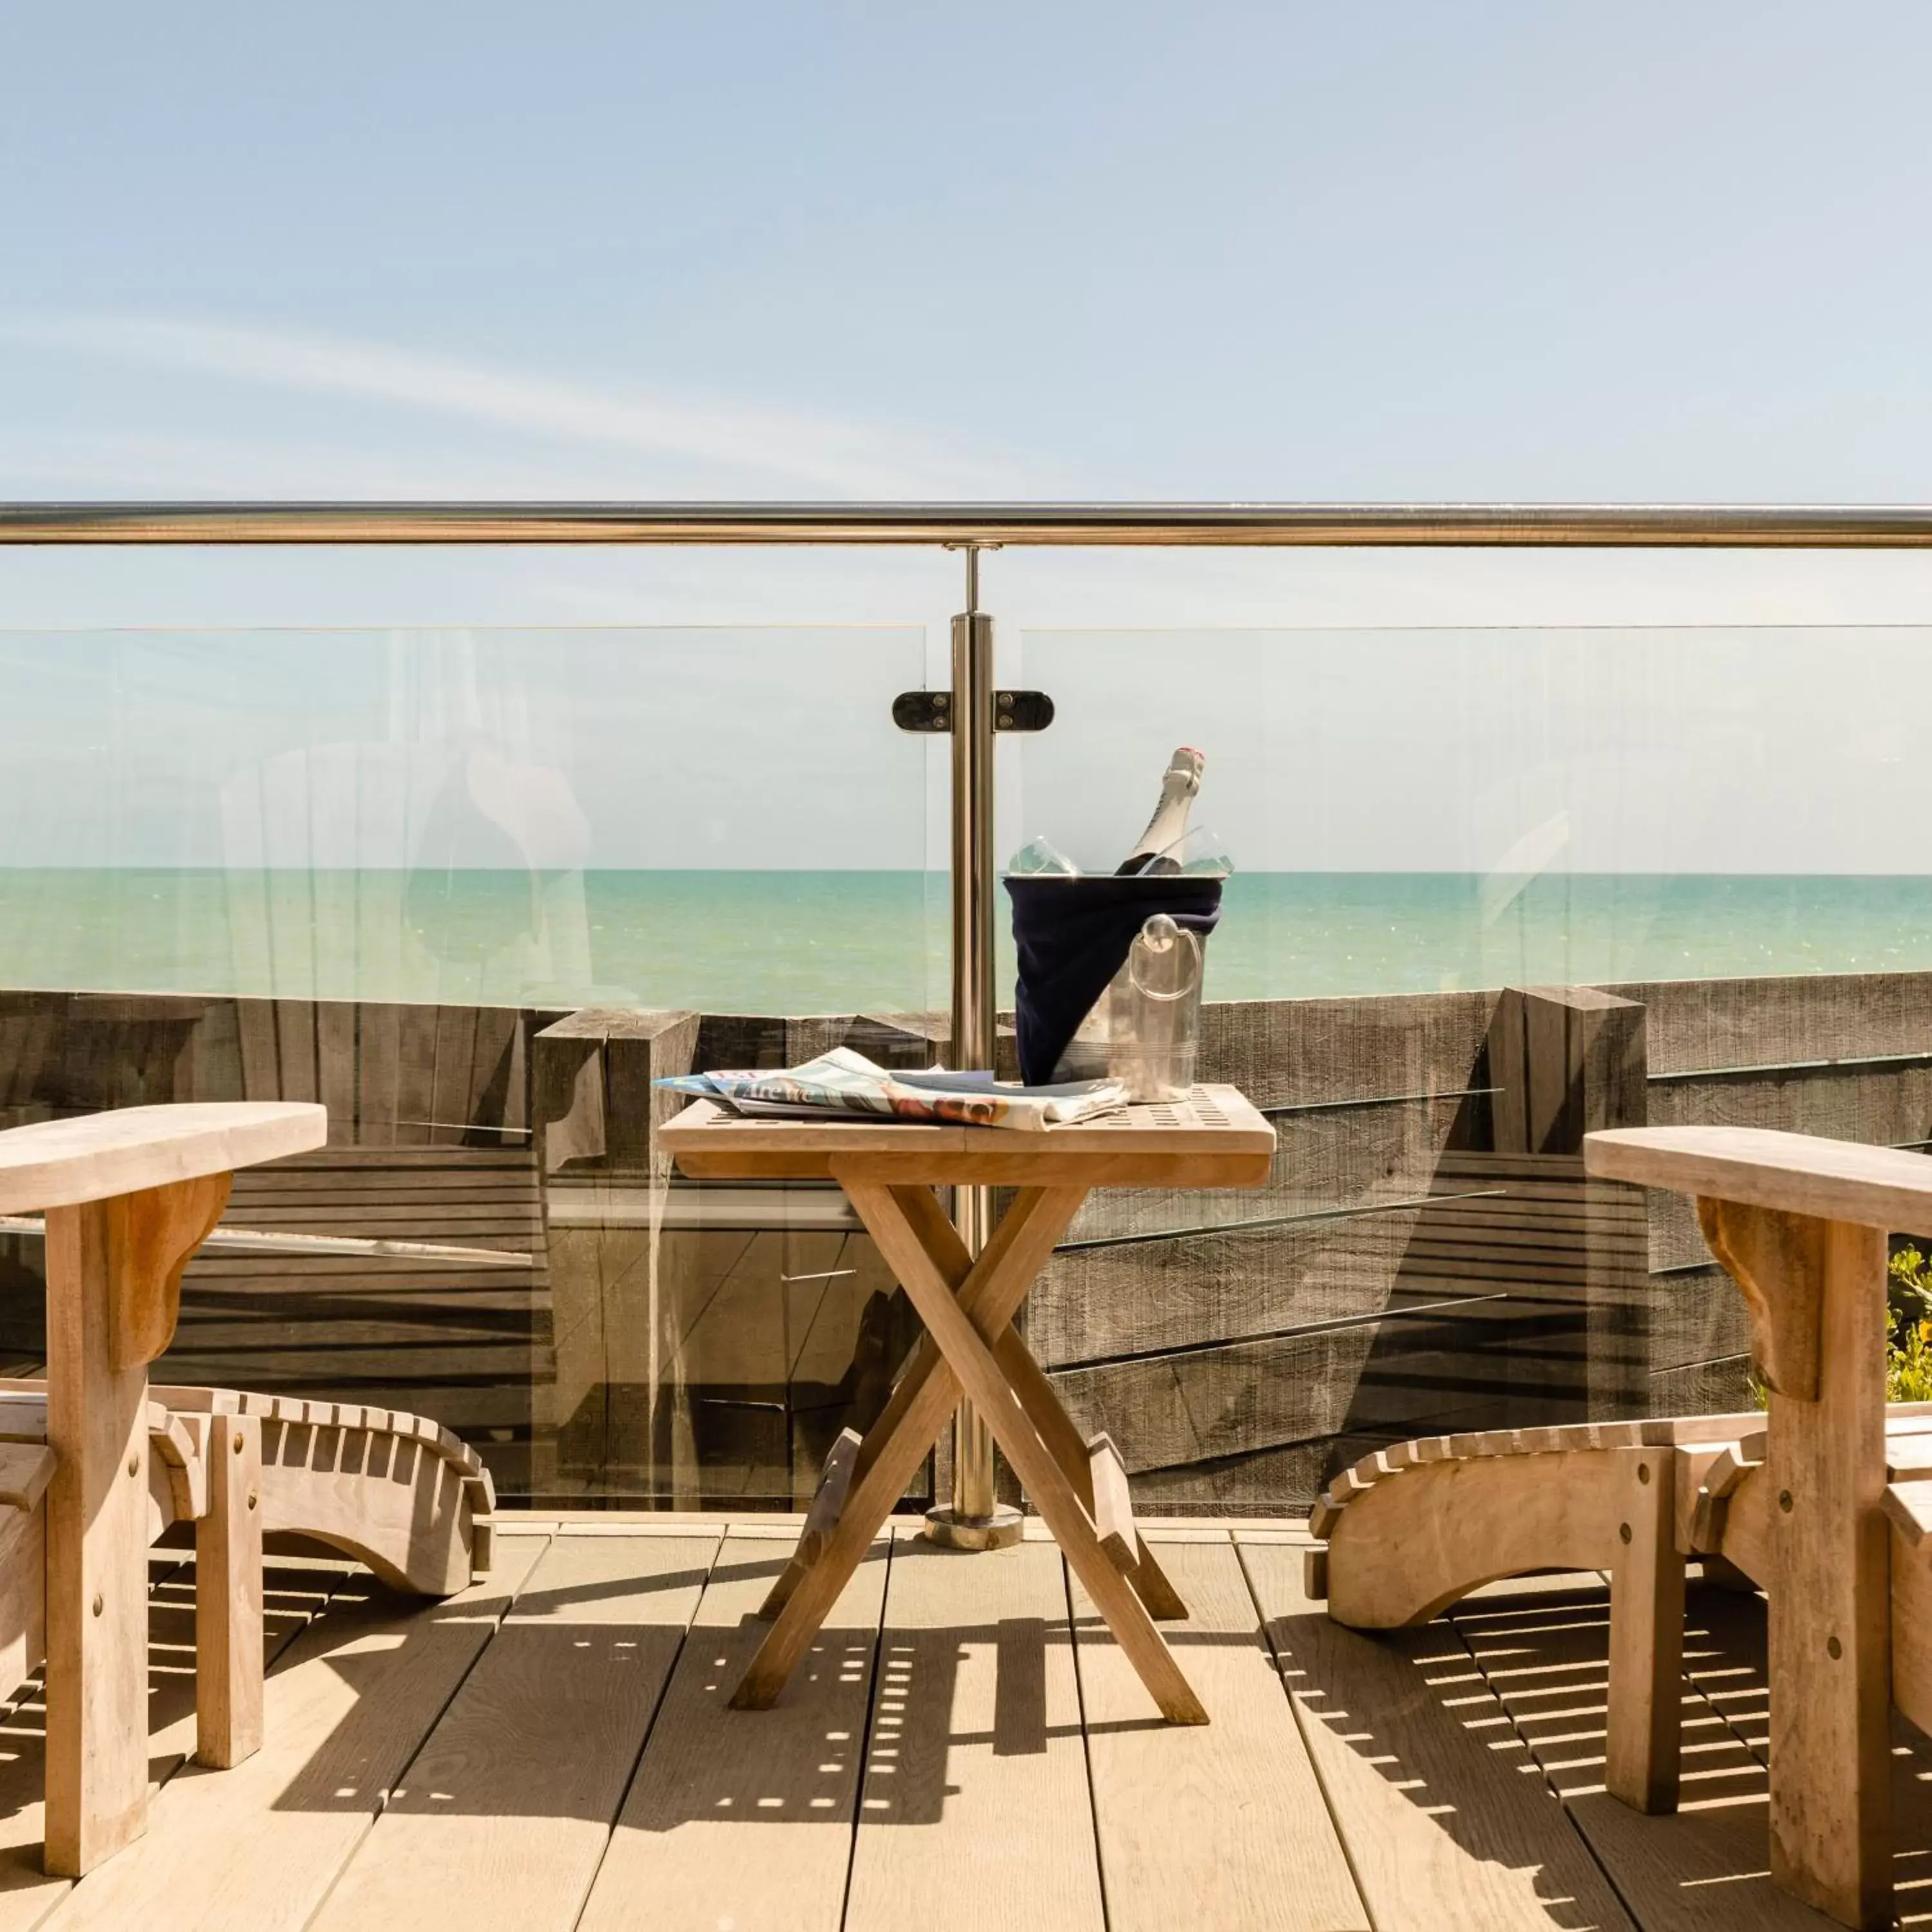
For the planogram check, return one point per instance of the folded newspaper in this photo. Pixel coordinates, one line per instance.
(842, 1081)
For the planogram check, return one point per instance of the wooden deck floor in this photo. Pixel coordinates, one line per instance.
(966, 1749)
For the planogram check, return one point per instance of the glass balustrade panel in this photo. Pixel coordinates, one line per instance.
(474, 890)
(1492, 889)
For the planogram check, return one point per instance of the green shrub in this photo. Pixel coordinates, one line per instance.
(1908, 1368)
(1908, 1313)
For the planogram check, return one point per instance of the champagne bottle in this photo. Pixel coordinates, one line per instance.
(1168, 825)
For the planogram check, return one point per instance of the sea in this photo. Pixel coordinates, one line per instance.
(806, 942)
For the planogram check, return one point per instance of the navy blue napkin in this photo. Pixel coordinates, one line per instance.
(1072, 936)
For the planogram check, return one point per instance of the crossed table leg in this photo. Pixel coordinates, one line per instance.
(967, 1308)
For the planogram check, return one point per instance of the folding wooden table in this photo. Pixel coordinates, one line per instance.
(1213, 1139)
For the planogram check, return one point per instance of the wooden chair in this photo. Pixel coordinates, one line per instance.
(1825, 1502)
(95, 1465)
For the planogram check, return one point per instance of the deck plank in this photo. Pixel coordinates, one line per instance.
(975, 1811)
(503, 1817)
(1544, 1652)
(1741, 1687)
(1220, 1824)
(744, 1817)
(28, 1893)
(255, 1848)
(292, 1596)
(1443, 1817)
(1458, 1768)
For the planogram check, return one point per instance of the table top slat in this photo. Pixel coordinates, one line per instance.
(1215, 1138)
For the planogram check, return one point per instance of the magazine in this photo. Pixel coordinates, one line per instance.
(842, 1081)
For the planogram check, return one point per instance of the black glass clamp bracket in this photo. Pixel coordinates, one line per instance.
(932, 711)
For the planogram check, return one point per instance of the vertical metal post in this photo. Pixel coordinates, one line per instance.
(974, 1520)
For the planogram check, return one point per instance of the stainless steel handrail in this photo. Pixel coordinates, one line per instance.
(1528, 526)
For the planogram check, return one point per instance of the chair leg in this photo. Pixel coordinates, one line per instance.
(228, 1596)
(1646, 1697)
(96, 1588)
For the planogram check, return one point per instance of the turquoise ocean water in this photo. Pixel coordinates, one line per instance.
(845, 941)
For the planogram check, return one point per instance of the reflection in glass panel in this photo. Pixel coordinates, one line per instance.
(1494, 890)
(474, 890)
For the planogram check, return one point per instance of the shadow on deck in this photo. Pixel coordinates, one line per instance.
(965, 1746)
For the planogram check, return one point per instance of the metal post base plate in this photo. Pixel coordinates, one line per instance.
(951, 1531)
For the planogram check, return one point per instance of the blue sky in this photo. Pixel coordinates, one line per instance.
(1405, 251)
(1409, 251)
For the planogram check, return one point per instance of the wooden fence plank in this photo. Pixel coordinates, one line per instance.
(415, 1075)
(497, 1093)
(261, 1066)
(295, 1048)
(378, 1047)
(455, 1059)
(335, 1066)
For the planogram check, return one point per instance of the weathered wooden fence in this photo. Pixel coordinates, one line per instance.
(491, 1237)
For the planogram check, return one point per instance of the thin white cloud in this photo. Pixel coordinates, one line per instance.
(759, 445)
(50, 461)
